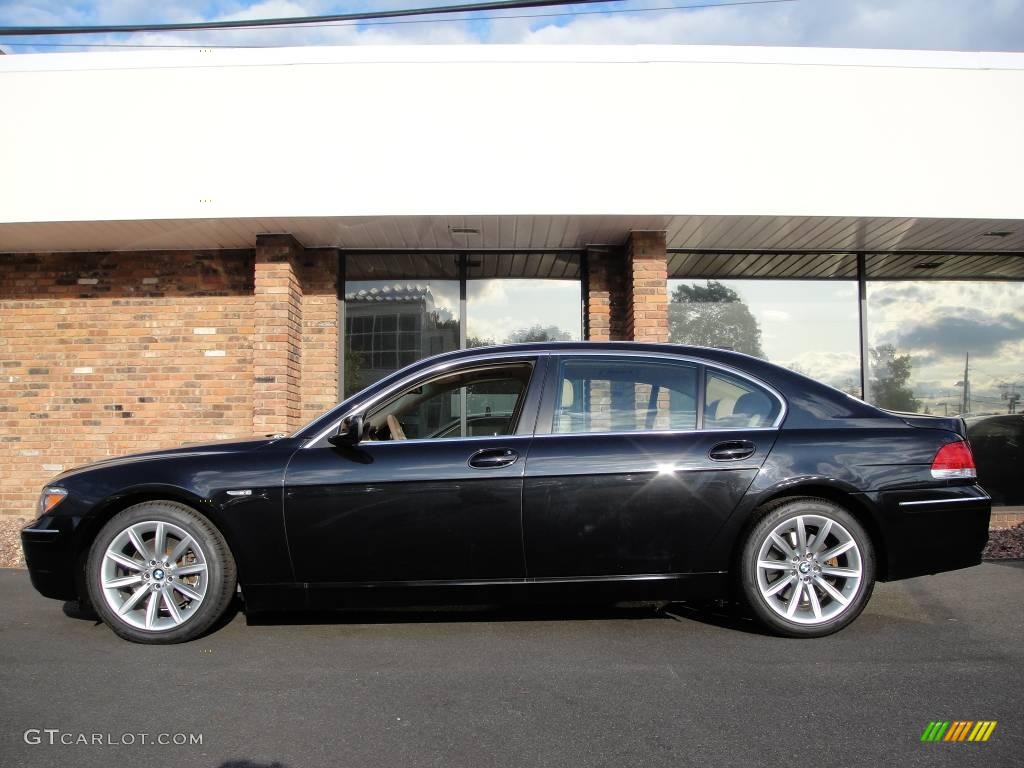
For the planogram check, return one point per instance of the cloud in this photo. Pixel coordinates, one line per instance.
(929, 24)
(971, 331)
(938, 24)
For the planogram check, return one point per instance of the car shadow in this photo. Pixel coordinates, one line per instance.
(76, 609)
(723, 614)
(719, 614)
(83, 611)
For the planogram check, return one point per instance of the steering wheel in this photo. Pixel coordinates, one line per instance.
(397, 433)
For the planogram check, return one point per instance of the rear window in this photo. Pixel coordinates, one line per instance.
(734, 403)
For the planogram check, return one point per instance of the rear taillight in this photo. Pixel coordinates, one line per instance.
(954, 460)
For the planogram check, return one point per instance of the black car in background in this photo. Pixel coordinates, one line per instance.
(998, 446)
(554, 471)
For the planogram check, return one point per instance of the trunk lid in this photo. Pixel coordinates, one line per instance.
(922, 421)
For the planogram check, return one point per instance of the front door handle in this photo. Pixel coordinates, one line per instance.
(492, 458)
(733, 450)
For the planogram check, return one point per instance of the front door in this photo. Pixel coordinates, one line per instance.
(433, 492)
(634, 475)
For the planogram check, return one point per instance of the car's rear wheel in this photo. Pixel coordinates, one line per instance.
(807, 568)
(159, 572)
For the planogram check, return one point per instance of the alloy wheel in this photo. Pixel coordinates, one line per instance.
(809, 569)
(154, 575)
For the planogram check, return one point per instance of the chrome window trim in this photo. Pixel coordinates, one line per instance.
(636, 432)
(956, 500)
(425, 373)
(524, 355)
(446, 440)
(683, 358)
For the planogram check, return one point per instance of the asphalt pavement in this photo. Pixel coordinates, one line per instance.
(611, 687)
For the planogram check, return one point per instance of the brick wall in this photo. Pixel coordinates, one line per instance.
(604, 296)
(646, 278)
(103, 354)
(277, 335)
(318, 275)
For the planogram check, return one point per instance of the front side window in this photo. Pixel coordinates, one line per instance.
(734, 403)
(602, 395)
(472, 403)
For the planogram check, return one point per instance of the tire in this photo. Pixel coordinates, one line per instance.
(830, 592)
(191, 592)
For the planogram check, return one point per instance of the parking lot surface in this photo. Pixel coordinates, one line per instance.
(607, 687)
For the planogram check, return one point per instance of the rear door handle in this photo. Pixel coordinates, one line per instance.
(492, 458)
(733, 450)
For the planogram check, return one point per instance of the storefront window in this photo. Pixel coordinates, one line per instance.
(403, 307)
(808, 326)
(390, 324)
(946, 347)
(518, 310)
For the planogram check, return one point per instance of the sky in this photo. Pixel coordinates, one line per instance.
(813, 327)
(993, 25)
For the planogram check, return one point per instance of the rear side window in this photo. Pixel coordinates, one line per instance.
(734, 403)
(605, 395)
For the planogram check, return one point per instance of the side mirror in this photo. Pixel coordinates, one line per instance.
(350, 432)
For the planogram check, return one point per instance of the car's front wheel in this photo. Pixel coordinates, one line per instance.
(807, 568)
(159, 572)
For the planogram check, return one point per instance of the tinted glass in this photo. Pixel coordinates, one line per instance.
(392, 323)
(602, 395)
(808, 326)
(511, 311)
(481, 401)
(734, 403)
(946, 347)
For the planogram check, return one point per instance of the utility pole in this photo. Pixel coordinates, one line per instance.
(966, 404)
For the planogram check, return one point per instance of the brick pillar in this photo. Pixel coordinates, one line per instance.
(319, 279)
(277, 335)
(646, 283)
(602, 315)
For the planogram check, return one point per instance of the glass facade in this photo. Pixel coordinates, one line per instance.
(946, 347)
(515, 310)
(401, 307)
(390, 324)
(809, 326)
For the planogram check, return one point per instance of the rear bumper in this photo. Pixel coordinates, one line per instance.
(49, 556)
(931, 531)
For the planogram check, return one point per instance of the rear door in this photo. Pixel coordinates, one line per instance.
(637, 461)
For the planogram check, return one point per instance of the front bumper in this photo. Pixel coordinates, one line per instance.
(49, 555)
(934, 530)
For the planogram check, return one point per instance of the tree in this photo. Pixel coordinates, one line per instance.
(713, 315)
(355, 362)
(889, 376)
(478, 341)
(538, 333)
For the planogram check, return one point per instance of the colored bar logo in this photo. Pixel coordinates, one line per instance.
(958, 730)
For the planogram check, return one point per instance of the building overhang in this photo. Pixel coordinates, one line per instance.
(711, 246)
(330, 138)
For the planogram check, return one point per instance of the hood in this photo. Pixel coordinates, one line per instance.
(233, 445)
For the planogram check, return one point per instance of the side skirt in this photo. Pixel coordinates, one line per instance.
(352, 595)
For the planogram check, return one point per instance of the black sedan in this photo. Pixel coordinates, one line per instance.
(568, 472)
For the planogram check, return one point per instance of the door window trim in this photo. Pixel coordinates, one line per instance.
(529, 400)
(545, 372)
(545, 418)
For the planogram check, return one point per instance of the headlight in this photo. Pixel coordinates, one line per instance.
(50, 498)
